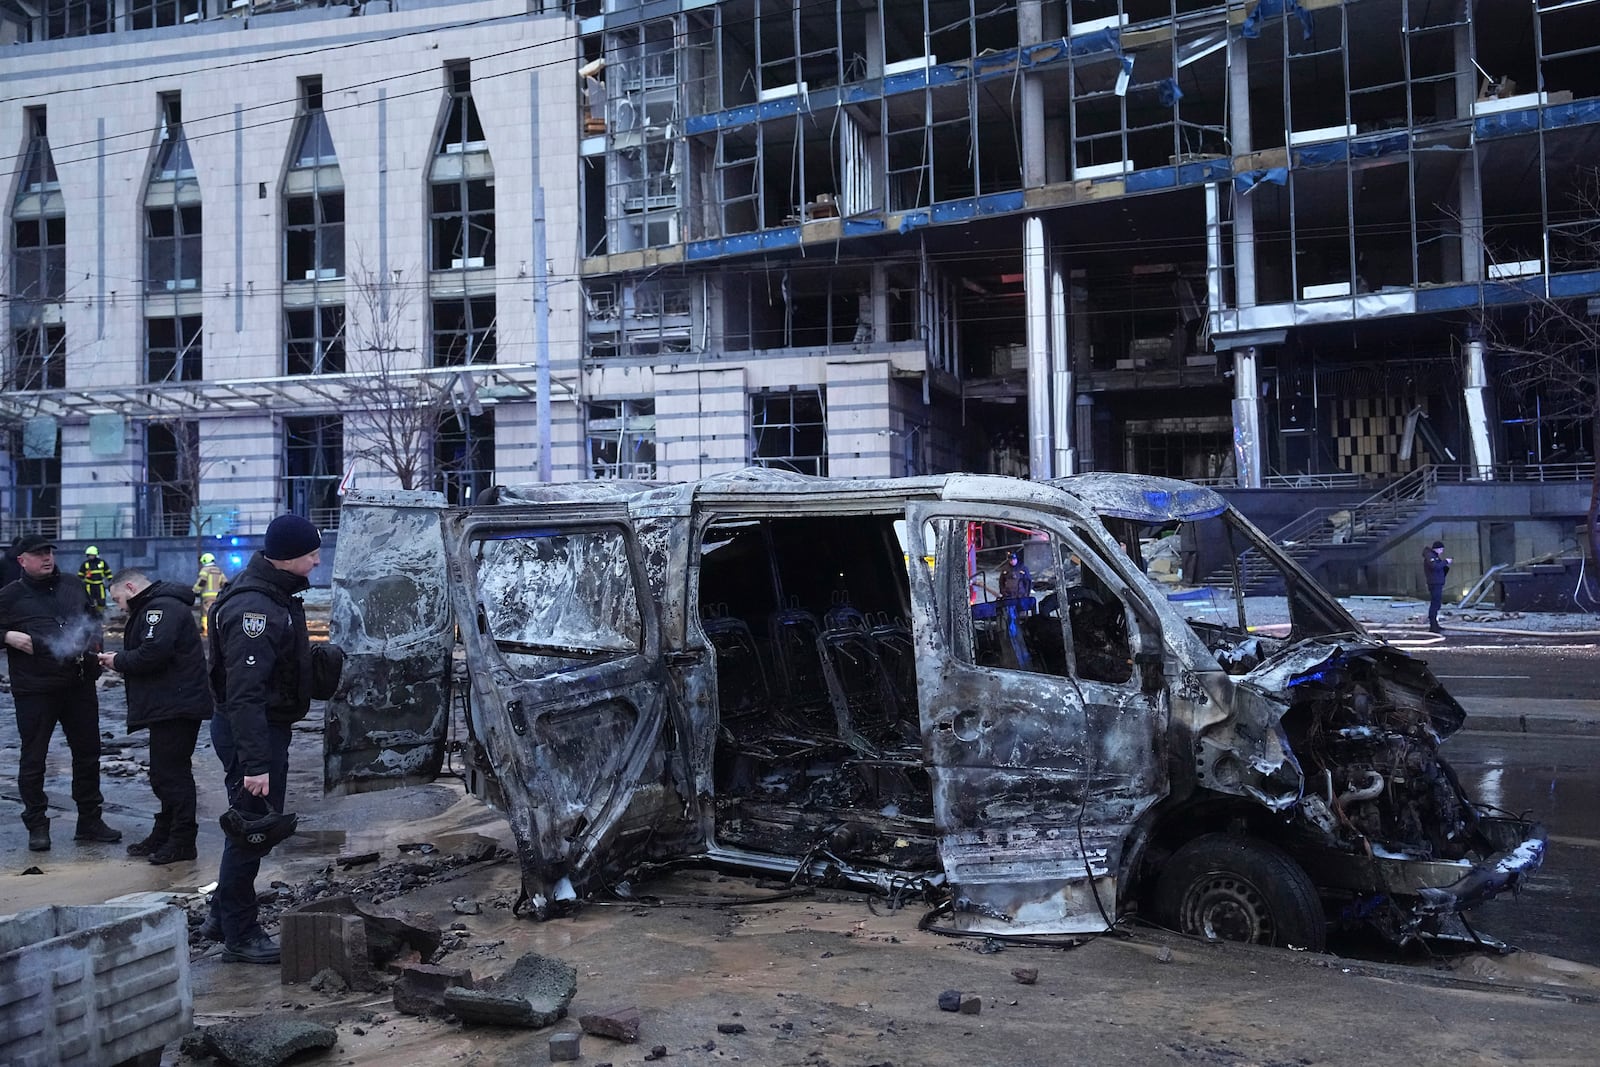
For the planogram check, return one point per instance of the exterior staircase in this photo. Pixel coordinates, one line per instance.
(1357, 530)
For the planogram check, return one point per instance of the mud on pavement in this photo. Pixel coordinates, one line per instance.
(728, 969)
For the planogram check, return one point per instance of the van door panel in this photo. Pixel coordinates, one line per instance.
(390, 613)
(1037, 774)
(570, 700)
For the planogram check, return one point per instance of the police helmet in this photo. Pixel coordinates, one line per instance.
(207, 559)
(256, 834)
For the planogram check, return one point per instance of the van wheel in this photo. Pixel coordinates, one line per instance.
(1224, 887)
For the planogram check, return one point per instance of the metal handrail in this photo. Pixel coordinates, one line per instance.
(1388, 502)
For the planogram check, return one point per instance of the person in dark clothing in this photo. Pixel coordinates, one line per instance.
(10, 569)
(170, 694)
(262, 665)
(52, 635)
(1435, 565)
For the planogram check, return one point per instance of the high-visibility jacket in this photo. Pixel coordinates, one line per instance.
(94, 573)
(210, 583)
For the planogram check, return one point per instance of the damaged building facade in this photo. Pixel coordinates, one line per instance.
(1240, 242)
(1249, 242)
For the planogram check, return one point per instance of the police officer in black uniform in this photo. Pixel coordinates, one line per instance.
(262, 667)
(52, 636)
(169, 694)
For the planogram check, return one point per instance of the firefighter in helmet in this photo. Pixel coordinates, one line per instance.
(207, 586)
(94, 572)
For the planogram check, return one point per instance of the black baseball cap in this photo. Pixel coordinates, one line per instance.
(34, 543)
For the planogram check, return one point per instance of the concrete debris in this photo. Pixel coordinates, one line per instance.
(657, 1052)
(31, 870)
(397, 928)
(619, 1024)
(470, 848)
(950, 1000)
(730, 1028)
(355, 859)
(534, 993)
(329, 980)
(971, 1004)
(419, 987)
(1164, 955)
(266, 1040)
(317, 938)
(1025, 975)
(463, 906)
(564, 1046)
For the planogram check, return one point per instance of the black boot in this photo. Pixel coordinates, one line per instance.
(179, 846)
(158, 837)
(94, 828)
(39, 838)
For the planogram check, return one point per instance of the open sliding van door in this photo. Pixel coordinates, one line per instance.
(387, 724)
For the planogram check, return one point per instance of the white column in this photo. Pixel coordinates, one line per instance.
(1036, 287)
(1477, 401)
(1246, 418)
(1065, 459)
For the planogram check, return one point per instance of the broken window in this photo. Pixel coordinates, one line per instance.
(40, 358)
(313, 464)
(463, 132)
(622, 439)
(788, 431)
(313, 340)
(567, 596)
(463, 331)
(35, 484)
(314, 236)
(172, 151)
(78, 18)
(313, 140)
(1032, 604)
(463, 456)
(172, 478)
(463, 224)
(147, 14)
(39, 223)
(172, 248)
(645, 136)
(172, 349)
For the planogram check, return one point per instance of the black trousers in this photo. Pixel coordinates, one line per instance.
(77, 709)
(172, 774)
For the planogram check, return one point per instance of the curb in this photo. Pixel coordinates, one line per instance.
(1501, 722)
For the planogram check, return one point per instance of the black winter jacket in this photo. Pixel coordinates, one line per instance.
(162, 658)
(261, 657)
(65, 628)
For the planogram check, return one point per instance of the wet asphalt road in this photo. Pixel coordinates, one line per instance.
(1554, 778)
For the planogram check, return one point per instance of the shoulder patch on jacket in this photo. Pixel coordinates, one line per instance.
(152, 616)
(255, 623)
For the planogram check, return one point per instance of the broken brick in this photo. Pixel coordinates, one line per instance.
(564, 1046)
(313, 941)
(1025, 975)
(534, 993)
(619, 1024)
(419, 987)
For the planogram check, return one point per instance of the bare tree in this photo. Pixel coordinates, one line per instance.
(1552, 344)
(393, 411)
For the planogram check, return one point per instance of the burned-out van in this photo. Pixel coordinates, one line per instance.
(965, 681)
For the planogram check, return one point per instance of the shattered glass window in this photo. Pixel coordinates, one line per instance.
(394, 590)
(1033, 605)
(560, 591)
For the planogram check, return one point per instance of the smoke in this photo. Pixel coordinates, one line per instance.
(78, 635)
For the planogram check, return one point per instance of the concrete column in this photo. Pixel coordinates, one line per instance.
(1246, 418)
(1084, 424)
(1476, 375)
(1036, 290)
(1244, 219)
(1469, 199)
(1030, 24)
(1061, 381)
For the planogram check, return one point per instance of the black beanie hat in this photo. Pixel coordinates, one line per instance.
(290, 537)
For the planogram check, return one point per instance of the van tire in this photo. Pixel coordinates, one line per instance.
(1225, 887)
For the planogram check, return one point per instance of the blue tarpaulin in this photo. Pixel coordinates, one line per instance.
(1251, 27)
(1251, 178)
